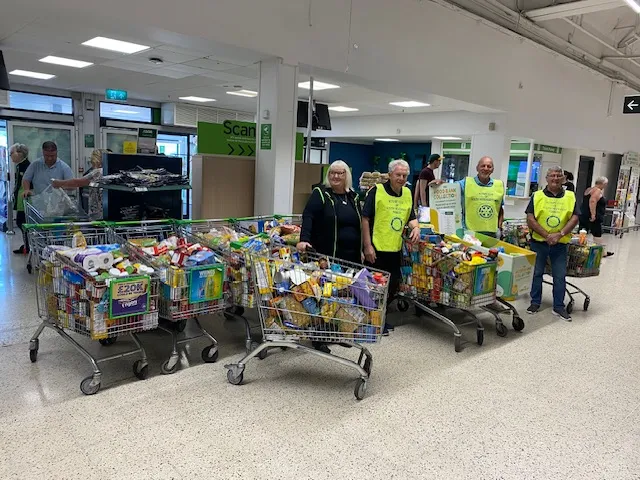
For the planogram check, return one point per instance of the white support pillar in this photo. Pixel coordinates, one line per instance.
(275, 164)
(495, 146)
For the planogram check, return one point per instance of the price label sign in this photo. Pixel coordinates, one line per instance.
(129, 296)
(206, 283)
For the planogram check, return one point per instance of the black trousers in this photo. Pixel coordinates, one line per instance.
(390, 262)
(21, 219)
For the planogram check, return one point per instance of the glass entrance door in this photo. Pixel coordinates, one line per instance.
(113, 138)
(173, 145)
(33, 135)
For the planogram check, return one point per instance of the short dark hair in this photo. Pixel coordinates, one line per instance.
(49, 146)
(434, 158)
(569, 175)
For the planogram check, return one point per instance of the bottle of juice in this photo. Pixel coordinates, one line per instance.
(582, 236)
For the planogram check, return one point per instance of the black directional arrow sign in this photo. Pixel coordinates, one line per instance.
(240, 150)
(631, 104)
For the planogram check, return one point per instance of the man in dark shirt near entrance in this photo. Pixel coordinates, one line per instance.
(427, 178)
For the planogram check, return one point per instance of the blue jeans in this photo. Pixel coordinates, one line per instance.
(558, 255)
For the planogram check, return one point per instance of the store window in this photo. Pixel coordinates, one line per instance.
(120, 111)
(40, 103)
(455, 167)
(523, 163)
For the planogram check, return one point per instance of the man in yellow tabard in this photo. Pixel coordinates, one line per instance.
(387, 209)
(482, 200)
(552, 214)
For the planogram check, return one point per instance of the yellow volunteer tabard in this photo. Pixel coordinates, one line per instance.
(392, 214)
(482, 205)
(553, 213)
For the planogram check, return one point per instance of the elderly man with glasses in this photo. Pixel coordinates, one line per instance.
(552, 214)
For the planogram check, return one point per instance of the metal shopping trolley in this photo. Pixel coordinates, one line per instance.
(432, 276)
(321, 299)
(33, 216)
(71, 299)
(186, 292)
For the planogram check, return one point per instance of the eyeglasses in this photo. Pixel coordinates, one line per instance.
(337, 174)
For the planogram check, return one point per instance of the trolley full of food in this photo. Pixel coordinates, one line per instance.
(51, 206)
(583, 258)
(317, 298)
(87, 284)
(192, 279)
(236, 249)
(443, 271)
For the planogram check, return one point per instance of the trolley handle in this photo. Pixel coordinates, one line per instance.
(36, 226)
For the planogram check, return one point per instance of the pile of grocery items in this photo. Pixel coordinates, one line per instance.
(312, 296)
(447, 272)
(369, 179)
(77, 283)
(144, 177)
(516, 234)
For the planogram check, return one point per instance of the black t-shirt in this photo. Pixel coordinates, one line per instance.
(531, 210)
(428, 176)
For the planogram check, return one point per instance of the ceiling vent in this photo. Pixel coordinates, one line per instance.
(184, 115)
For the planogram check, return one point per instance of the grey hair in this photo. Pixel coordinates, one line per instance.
(398, 163)
(21, 148)
(479, 161)
(555, 168)
(602, 180)
(348, 179)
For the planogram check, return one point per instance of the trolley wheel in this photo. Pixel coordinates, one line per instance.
(517, 324)
(210, 354)
(180, 325)
(105, 342)
(480, 336)
(233, 380)
(368, 363)
(403, 306)
(361, 388)
(239, 311)
(501, 329)
(33, 356)
(570, 306)
(457, 343)
(29, 268)
(263, 353)
(141, 370)
(587, 302)
(87, 388)
(164, 368)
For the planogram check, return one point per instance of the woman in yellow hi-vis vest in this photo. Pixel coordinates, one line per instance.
(387, 209)
(482, 200)
(551, 215)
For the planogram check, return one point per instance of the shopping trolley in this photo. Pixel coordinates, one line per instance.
(33, 216)
(432, 276)
(222, 237)
(71, 299)
(582, 261)
(321, 299)
(186, 292)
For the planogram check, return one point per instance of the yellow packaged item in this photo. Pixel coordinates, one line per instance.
(293, 312)
(328, 289)
(376, 317)
(328, 310)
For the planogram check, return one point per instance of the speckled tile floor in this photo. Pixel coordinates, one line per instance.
(557, 401)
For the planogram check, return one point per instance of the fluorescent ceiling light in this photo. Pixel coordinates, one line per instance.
(244, 93)
(635, 6)
(447, 138)
(115, 45)
(65, 62)
(197, 99)
(317, 85)
(386, 140)
(340, 108)
(26, 73)
(410, 104)
(126, 112)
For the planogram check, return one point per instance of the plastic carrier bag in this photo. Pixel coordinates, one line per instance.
(54, 202)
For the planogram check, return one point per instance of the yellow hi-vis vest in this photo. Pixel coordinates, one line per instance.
(391, 215)
(482, 205)
(553, 213)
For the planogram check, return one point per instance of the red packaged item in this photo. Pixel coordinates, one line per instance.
(160, 250)
(182, 242)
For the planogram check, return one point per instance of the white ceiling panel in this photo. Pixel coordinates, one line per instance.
(164, 52)
(213, 65)
(134, 67)
(170, 73)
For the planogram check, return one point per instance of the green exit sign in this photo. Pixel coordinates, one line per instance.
(116, 94)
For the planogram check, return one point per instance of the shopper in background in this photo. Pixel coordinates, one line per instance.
(40, 173)
(552, 214)
(387, 210)
(331, 221)
(594, 206)
(482, 200)
(19, 154)
(426, 179)
(94, 203)
(568, 181)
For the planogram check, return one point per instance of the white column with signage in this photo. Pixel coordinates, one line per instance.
(276, 137)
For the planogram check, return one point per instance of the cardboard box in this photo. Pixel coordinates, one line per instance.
(515, 267)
